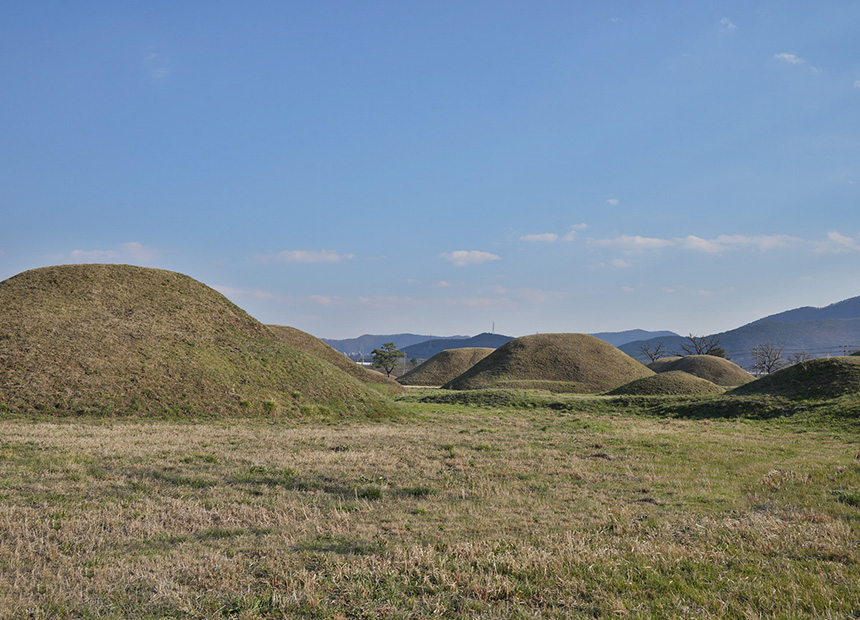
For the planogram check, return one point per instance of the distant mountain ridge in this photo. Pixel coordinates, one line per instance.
(845, 309)
(618, 338)
(426, 350)
(364, 345)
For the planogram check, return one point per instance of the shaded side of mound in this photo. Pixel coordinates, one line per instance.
(717, 370)
(672, 382)
(570, 362)
(444, 366)
(117, 339)
(303, 341)
(821, 378)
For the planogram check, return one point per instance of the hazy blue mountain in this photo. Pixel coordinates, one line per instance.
(846, 309)
(426, 350)
(631, 335)
(354, 347)
(820, 338)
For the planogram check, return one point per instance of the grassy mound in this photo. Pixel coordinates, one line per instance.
(444, 366)
(116, 339)
(714, 369)
(821, 378)
(565, 362)
(303, 341)
(662, 365)
(672, 382)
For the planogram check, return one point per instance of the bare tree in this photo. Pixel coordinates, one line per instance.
(702, 345)
(767, 358)
(798, 356)
(654, 352)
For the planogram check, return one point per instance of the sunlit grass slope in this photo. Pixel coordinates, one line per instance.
(444, 366)
(821, 378)
(303, 341)
(715, 369)
(117, 339)
(673, 382)
(555, 362)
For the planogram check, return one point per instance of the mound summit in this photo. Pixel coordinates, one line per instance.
(555, 362)
(118, 339)
(444, 366)
(820, 378)
(672, 382)
(717, 370)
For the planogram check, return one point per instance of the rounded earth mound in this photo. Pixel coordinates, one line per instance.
(444, 366)
(117, 339)
(558, 362)
(670, 383)
(303, 341)
(717, 370)
(820, 378)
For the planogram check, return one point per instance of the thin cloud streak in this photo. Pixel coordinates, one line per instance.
(462, 258)
(307, 257)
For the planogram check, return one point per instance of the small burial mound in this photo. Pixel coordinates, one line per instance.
(663, 364)
(117, 339)
(821, 378)
(556, 362)
(669, 383)
(444, 366)
(303, 341)
(717, 370)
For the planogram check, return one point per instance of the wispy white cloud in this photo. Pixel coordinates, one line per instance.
(613, 202)
(722, 243)
(857, 84)
(795, 60)
(156, 67)
(462, 258)
(305, 257)
(837, 243)
(618, 262)
(132, 252)
(573, 232)
(543, 237)
(727, 24)
(631, 243)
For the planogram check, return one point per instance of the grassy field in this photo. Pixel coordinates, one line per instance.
(448, 510)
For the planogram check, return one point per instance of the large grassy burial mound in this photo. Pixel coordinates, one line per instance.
(717, 370)
(555, 362)
(444, 366)
(303, 341)
(670, 383)
(821, 378)
(116, 339)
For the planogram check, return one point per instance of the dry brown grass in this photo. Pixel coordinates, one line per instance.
(717, 370)
(454, 514)
(445, 366)
(557, 362)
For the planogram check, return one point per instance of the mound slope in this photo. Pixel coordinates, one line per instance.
(122, 339)
(557, 362)
(303, 341)
(444, 366)
(717, 370)
(823, 377)
(672, 382)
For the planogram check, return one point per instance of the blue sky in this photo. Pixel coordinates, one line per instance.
(443, 167)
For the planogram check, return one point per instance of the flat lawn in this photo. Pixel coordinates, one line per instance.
(445, 512)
